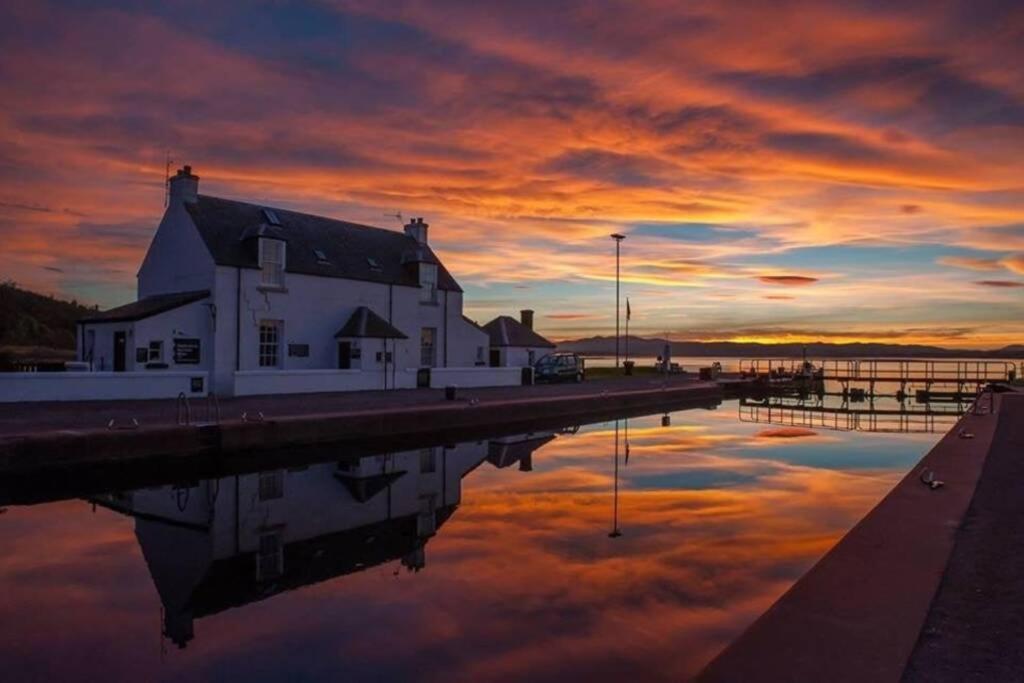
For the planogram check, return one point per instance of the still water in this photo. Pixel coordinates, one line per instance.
(503, 559)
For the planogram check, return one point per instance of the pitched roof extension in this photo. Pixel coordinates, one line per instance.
(146, 307)
(365, 323)
(507, 331)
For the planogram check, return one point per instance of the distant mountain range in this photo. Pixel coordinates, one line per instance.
(640, 346)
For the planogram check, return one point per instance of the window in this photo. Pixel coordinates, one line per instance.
(427, 337)
(271, 485)
(428, 283)
(321, 257)
(270, 558)
(271, 263)
(372, 262)
(426, 520)
(270, 336)
(479, 355)
(428, 461)
(531, 357)
(156, 351)
(271, 216)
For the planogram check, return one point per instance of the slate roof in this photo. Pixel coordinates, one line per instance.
(507, 331)
(226, 225)
(365, 323)
(146, 307)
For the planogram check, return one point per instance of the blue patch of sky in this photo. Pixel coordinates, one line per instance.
(912, 259)
(704, 233)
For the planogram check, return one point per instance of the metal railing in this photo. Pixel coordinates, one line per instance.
(888, 369)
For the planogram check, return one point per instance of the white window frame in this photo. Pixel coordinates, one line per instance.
(268, 353)
(273, 255)
(155, 351)
(430, 362)
(428, 283)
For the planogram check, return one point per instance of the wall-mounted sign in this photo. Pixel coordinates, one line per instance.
(186, 351)
(298, 350)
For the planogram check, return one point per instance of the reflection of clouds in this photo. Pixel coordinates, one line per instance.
(522, 582)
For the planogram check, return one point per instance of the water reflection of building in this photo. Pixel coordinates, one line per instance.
(223, 543)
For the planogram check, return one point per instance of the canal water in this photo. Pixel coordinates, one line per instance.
(627, 550)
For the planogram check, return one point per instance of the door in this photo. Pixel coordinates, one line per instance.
(344, 355)
(120, 349)
(495, 358)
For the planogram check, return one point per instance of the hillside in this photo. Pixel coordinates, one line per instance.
(28, 319)
(639, 346)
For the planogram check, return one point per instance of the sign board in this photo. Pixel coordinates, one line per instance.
(186, 351)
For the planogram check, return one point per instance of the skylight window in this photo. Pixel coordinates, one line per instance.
(321, 257)
(271, 217)
(373, 263)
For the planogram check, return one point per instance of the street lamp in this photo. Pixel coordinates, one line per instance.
(618, 241)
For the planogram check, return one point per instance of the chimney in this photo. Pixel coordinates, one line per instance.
(184, 187)
(526, 318)
(417, 229)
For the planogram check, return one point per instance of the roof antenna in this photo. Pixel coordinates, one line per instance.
(167, 179)
(397, 215)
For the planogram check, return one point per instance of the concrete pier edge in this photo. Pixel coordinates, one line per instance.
(856, 615)
(65, 448)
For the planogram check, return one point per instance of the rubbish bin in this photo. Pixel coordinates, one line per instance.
(423, 378)
(628, 366)
(449, 393)
(527, 377)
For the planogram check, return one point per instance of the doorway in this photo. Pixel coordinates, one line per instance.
(120, 349)
(495, 358)
(344, 355)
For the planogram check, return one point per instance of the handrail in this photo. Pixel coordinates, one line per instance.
(183, 409)
(888, 369)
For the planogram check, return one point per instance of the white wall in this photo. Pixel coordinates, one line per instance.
(193, 320)
(313, 309)
(256, 382)
(519, 356)
(470, 377)
(16, 387)
(177, 260)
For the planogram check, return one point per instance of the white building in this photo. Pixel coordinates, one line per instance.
(513, 342)
(264, 300)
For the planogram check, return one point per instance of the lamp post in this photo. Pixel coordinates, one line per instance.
(618, 242)
(616, 531)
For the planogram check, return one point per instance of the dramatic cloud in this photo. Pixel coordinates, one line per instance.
(1000, 283)
(871, 145)
(787, 280)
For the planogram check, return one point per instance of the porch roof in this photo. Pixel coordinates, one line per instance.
(365, 323)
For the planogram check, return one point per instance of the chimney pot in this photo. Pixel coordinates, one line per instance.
(526, 318)
(417, 229)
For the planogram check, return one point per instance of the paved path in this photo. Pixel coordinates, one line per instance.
(975, 628)
(36, 418)
(858, 613)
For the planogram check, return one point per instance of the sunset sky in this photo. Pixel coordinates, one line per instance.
(783, 171)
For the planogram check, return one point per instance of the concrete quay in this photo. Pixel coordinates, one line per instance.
(929, 586)
(59, 436)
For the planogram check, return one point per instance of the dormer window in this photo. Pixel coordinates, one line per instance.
(428, 283)
(271, 262)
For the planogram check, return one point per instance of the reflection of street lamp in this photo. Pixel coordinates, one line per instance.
(618, 241)
(616, 532)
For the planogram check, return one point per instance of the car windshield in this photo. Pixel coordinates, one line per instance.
(547, 360)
